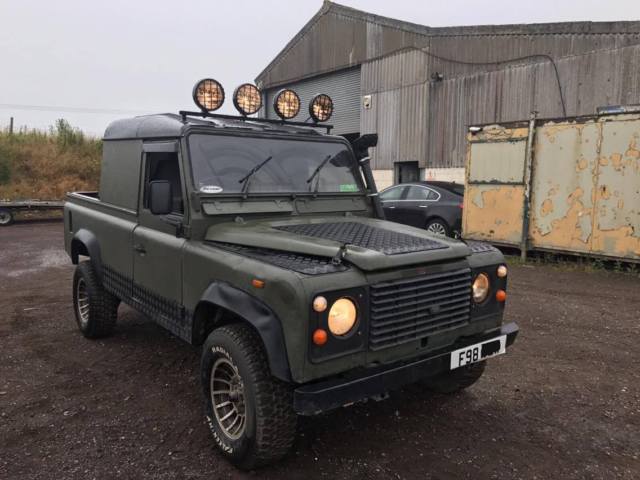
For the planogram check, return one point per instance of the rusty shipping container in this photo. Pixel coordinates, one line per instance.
(568, 185)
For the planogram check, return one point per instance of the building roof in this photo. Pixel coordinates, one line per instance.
(560, 28)
(171, 125)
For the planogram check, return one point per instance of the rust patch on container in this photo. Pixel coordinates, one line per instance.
(621, 242)
(494, 212)
(616, 161)
(572, 230)
(582, 164)
(551, 129)
(547, 207)
(633, 151)
(495, 133)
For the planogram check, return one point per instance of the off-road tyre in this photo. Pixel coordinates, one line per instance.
(456, 380)
(98, 319)
(270, 422)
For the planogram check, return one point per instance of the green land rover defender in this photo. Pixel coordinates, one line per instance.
(263, 241)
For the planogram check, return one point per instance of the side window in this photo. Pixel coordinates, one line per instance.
(421, 193)
(393, 193)
(432, 194)
(417, 193)
(165, 166)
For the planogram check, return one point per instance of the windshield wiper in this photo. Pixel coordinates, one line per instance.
(316, 172)
(245, 180)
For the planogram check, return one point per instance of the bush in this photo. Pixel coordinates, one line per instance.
(45, 165)
(5, 165)
(66, 135)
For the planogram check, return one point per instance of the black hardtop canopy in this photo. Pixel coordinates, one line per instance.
(171, 125)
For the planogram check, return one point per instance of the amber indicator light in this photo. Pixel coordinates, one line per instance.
(501, 295)
(320, 337)
(257, 283)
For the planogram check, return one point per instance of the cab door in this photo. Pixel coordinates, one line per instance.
(157, 250)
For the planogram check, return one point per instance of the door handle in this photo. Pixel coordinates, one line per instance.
(424, 206)
(389, 207)
(138, 247)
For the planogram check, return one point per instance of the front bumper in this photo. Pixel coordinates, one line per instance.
(326, 395)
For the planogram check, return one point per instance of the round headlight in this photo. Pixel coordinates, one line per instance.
(247, 99)
(342, 316)
(287, 104)
(480, 287)
(208, 94)
(321, 108)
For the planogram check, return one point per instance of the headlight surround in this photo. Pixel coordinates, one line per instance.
(342, 316)
(481, 286)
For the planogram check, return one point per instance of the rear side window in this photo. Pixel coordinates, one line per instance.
(393, 193)
(165, 166)
(120, 173)
(421, 193)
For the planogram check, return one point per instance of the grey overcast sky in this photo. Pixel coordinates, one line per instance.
(144, 55)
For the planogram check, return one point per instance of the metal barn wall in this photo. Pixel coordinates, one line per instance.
(572, 185)
(417, 119)
(588, 81)
(338, 37)
(399, 108)
(344, 88)
(335, 39)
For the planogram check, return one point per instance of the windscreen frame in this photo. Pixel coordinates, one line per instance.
(298, 136)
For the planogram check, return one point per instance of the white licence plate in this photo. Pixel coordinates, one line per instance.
(479, 351)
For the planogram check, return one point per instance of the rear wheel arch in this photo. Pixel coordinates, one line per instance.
(222, 304)
(86, 244)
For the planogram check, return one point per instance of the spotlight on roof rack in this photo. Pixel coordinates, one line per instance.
(287, 104)
(208, 94)
(321, 107)
(247, 99)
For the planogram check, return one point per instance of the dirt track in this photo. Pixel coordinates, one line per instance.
(564, 403)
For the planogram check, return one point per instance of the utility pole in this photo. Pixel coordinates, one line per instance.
(11, 126)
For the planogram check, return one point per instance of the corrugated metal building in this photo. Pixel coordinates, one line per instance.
(420, 87)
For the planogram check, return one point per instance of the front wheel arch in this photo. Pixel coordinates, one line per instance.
(222, 304)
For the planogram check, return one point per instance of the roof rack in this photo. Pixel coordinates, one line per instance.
(184, 114)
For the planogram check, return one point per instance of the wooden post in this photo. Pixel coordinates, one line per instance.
(11, 126)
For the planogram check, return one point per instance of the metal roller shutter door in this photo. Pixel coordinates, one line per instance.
(342, 86)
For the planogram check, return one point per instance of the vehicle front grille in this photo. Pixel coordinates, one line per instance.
(412, 308)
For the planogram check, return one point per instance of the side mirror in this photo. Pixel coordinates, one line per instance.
(160, 198)
(362, 144)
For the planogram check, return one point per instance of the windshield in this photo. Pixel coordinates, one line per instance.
(221, 164)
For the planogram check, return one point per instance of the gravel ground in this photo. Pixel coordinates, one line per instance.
(564, 403)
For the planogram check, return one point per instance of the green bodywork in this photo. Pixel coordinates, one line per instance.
(183, 257)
